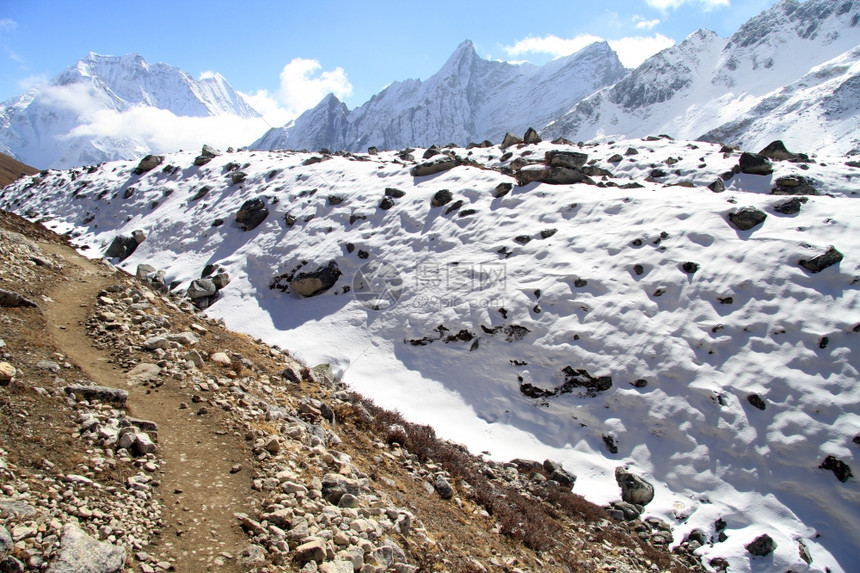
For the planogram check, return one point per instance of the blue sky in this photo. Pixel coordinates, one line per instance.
(287, 55)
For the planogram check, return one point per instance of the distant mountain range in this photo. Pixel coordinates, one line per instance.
(790, 73)
(39, 127)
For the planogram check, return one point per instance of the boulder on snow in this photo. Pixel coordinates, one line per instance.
(436, 165)
(149, 162)
(755, 164)
(251, 214)
(794, 185)
(777, 151)
(509, 140)
(123, 246)
(634, 489)
(761, 546)
(569, 159)
(551, 175)
(316, 282)
(200, 288)
(746, 218)
(206, 155)
(790, 207)
(531, 136)
(441, 197)
(839, 468)
(817, 264)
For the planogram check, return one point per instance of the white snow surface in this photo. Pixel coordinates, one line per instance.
(788, 335)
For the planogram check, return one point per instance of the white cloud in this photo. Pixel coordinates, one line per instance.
(707, 5)
(550, 44)
(632, 50)
(303, 86)
(160, 129)
(269, 107)
(643, 24)
(7, 25)
(207, 75)
(25, 84)
(164, 131)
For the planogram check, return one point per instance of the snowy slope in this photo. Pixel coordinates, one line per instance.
(469, 99)
(56, 125)
(540, 279)
(768, 78)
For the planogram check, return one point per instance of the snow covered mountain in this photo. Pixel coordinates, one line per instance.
(706, 340)
(91, 111)
(469, 99)
(790, 73)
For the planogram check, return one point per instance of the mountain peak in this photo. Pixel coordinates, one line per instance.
(465, 51)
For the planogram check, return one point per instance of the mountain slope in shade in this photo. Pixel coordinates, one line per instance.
(11, 169)
(51, 125)
(774, 78)
(626, 323)
(469, 99)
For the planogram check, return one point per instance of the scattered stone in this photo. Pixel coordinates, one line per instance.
(790, 207)
(817, 264)
(98, 393)
(839, 468)
(777, 151)
(757, 401)
(7, 372)
(441, 197)
(122, 246)
(690, 267)
(794, 185)
(502, 189)
(252, 213)
(437, 165)
(220, 358)
(206, 155)
(551, 175)
(755, 164)
(509, 140)
(746, 218)
(11, 299)
(443, 488)
(313, 550)
(147, 163)
(717, 186)
(80, 553)
(634, 489)
(316, 282)
(761, 546)
(200, 288)
(531, 136)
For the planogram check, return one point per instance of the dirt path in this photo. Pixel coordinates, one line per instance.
(197, 491)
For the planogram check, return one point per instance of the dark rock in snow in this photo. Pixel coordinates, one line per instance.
(839, 468)
(509, 140)
(334, 200)
(122, 247)
(502, 189)
(790, 207)
(569, 159)
(394, 193)
(386, 203)
(755, 164)
(794, 185)
(746, 218)
(690, 267)
(206, 155)
(551, 175)
(717, 186)
(251, 214)
(757, 401)
(777, 151)
(531, 136)
(200, 288)
(316, 282)
(149, 162)
(761, 546)
(442, 197)
(634, 489)
(829, 258)
(437, 165)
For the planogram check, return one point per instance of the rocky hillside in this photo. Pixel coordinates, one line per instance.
(140, 435)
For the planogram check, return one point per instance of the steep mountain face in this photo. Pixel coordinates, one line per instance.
(469, 99)
(774, 78)
(43, 127)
